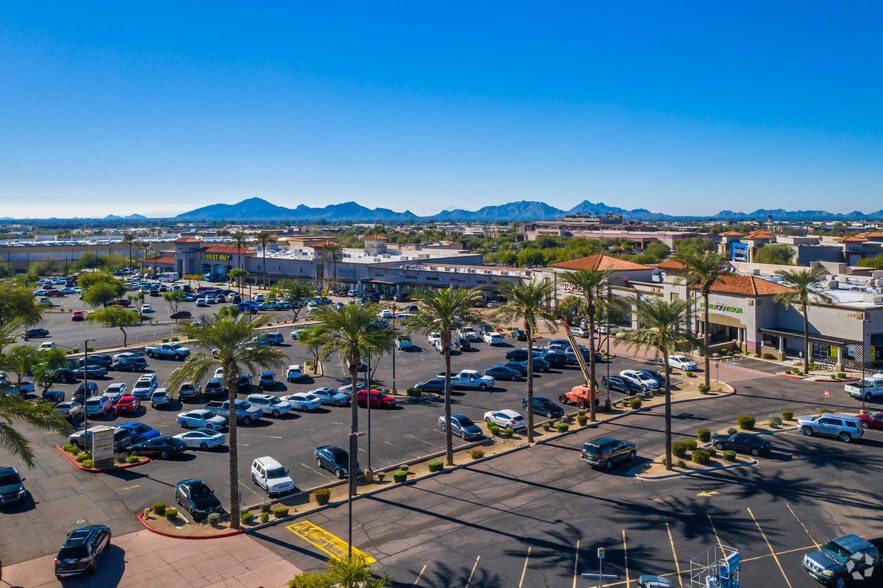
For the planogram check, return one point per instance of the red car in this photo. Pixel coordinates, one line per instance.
(873, 420)
(378, 399)
(77, 315)
(127, 404)
(181, 314)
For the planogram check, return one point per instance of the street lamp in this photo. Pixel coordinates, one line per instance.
(368, 404)
(607, 322)
(394, 307)
(85, 386)
(864, 320)
(354, 447)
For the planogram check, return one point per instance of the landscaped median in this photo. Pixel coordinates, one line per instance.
(166, 520)
(83, 460)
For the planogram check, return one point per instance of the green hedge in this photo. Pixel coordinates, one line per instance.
(280, 512)
(214, 518)
(562, 427)
(399, 476)
(729, 455)
(678, 449)
(476, 454)
(159, 508)
(509, 431)
(704, 388)
(690, 444)
(322, 496)
(245, 518)
(701, 457)
(635, 403)
(787, 414)
(171, 514)
(435, 465)
(746, 423)
(88, 464)
(582, 420)
(704, 435)
(414, 392)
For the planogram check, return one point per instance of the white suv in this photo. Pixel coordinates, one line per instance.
(492, 338)
(145, 386)
(642, 380)
(269, 404)
(295, 372)
(269, 474)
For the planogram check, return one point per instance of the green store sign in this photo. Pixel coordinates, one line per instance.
(722, 307)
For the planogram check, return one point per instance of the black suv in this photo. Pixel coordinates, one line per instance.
(65, 376)
(12, 489)
(243, 383)
(129, 364)
(621, 385)
(197, 498)
(606, 452)
(97, 359)
(81, 551)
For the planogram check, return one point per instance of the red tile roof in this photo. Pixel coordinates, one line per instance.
(158, 261)
(321, 244)
(375, 238)
(602, 262)
(732, 234)
(670, 264)
(187, 240)
(228, 249)
(759, 235)
(851, 239)
(746, 286)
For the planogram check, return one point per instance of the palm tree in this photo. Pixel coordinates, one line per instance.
(14, 408)
(332, 252)
(593, 286)
(703, 270)
(129, 239)
(663, 327)
(143, 246)
(527, 301)
(804, 283)
(226, 336)
(350, 332)
(264, 237)
(239, 238)
(439, 310)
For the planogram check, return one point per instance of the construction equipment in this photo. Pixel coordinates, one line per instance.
(579, 395)
(716, 567)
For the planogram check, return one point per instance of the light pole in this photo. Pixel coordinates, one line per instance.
(368, 404)
(394, 307)
(864, 395)
(607, 322)
(85, 387)
(354, 444)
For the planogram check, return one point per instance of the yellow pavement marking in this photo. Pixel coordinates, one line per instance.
(575, 563)
(657, 500)
(132, 487)
(524, 571)
(625, 553)
(762, 534)
(324, 540)
(475, 565)
(420, 575)
(674, 555)
(816, 543)
(716, 536)
(704, 493)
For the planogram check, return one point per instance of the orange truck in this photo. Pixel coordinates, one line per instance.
(579, 395)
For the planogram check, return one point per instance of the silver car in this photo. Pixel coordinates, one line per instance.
(844, 427)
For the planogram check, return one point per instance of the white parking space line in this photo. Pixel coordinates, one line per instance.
(524, 570)
(400, 449)
(475, 565)
(772, 551)
(311, 468)
(247, 487)
(260, 436)
(816, 543)
(419, 439)
(420, 575)
(576, 564)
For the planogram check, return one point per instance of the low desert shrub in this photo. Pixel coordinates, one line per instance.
(322, 496)
(476, 454)
(435, 465)
(281, 512)
(710, 451)
(547, 427)
(133, 459)
(72, 449)
(731, 431)
(493, 428)
(245, 518)
(841, 375)
(768, 356)
(582, 420)
(81, 457)
(581, 411)
(509, 431)
(562, 427)
(399, 476)
(775, 421)
(678, 449)
(404, 467)
(171, 514)
(746, 423)
(214, 518)
(159, 508)
(689, 373)
(265, 507)
(414, 392)
(379, 476)
(729, 455)
(704, 389)
(701, 457)
(635, 403)
(825, 411)
(690, 443)
(703, 435)
(88, 464)
(265, 517)
(787, 414)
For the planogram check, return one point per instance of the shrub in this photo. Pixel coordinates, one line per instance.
(811, 366)
(414, 392)
(509, 431)
(640, 396)
(731, 431)
(710, 451)
(404, 467)
(678, 449)
(562, 427)
(775, 420)
(322, 496)
(280, 512)
(72, 449)
(824, 411)
(723, 352)
(159, 508)
(245, 518)
(171, 514)
(841, 375)
(746, 423)
(174, 339)
(165, 340)
(90, 348)
(399, 476)
(768, 356)
(582, 420)
(88, 464)
(435, 465)
(580, 411)
(704, 388)
(476, 454)
(681, 464)
(729, 455)
(380, 476)
(551, 423)
(635, 403)
(703, 435)
(787, 414)
(214, 518)
(310, 363)
(547, 427)
(265, 517)
(690, 444)
(689, 373)
(265, 507)
(82, 457)
(493, 428)
(133, 459)
(701, 457)
(797, 372)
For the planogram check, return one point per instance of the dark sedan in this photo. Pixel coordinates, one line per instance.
(544, 406)
(197, 498)
(742, 443)
(517, 355)
(432, 385)
(621, 385)
(162, 447)
(518, 366)
(660, 379)
(502, 372)
(90, 371)
(37, 333)
(554, 359)
(335, 460)
(539, 365)
(97, 359)
(519, 335)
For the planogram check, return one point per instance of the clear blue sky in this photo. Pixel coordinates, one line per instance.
(685, 108)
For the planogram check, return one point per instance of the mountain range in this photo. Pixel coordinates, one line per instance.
(258, 209)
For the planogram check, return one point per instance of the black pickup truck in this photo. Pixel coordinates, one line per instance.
(846, 560)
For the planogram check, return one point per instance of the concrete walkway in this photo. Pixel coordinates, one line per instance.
(147, 560)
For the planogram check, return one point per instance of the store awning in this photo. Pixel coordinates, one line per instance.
(829, 339)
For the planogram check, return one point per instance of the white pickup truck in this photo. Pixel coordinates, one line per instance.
(867, 388)
(471, 379)
(434, 338)
(469, 334)
(167, 351)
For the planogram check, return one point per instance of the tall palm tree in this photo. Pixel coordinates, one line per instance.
(703, 270)
(14, 408)
(527, 301)
(332, 252)
(439, 311)
(350, 331)
(239, 238)
(592, 286)
(129, 239)
(663, 328)
(226, 336)
(143, 246)
(805, 284)
(264, 237)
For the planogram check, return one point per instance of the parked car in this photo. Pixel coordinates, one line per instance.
(267, 380)
(578, 332)
(331, 396)
(128, 404)
(517, 354)
(544, 406)
(518, 366)
(294, 373)
(493, 338)
(82, 550)
(90, 372)
(378, 399)
(181, 314)
(36, 333)
(65, 376)
(215, 387)
(742, 443)
(436, 385)
(77, 315)
(69, 410)
(101, 359)
(539, 365)
(201, 419)
(85, 390)
(506, 418)
(269, 474)
(201, 438)
(519, 335)
(626, 386)
(660, 379)
(502, 372)
(243, 383)
(873, 420)
(555, 359)
(682, 363)
(129, 364)
(335, 460)
(270, 404)
(189, 391)
(146, 309)
(12, 488)
(98, 405)
(163, 447)
(844, 427)
(605, 452)
(145, 386)
(116, 391)
(139, 431)
(197, 498)
(643, 380)
(122, 438)
(462, 426)
(302, 401)
(160, 397)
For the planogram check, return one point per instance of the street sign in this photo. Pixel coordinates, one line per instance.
(102, 446)
(826, 393)
(600, 553)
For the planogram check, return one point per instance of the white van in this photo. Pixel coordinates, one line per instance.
(168, 277)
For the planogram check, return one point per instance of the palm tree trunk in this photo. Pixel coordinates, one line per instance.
(705, 340)
(529, 382)
(668, 465)
(805, 339)
(593, 414)
(232, 436)
(449, 438)
(264, 253)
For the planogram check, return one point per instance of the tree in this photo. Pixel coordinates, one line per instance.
(662, 327)
(439, 311)
(592, 286)
(344, 573)
(18, 309)
(48, 362)
(875, 262)
(527, 301)
(138, 299)
(102, 293)
(42, 415)
(238, 276)
(332, 252)
(774, 254)
(703, 271)
(531, 258)
(694, 246)
(191, 278)
(227, 337)
(129, 239)
(296, 293)
(20, 360)
(313, 338)
(264, 238)
(89, 279)
(239, 237)
(115, 317)
(804, 284)
(174, 298)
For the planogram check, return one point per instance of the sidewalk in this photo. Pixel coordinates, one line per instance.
(148, 560)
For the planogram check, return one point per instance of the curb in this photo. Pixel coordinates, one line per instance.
(837, 380)
(692, 472)
(783, 375)
(177, 536)
(100, 470)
